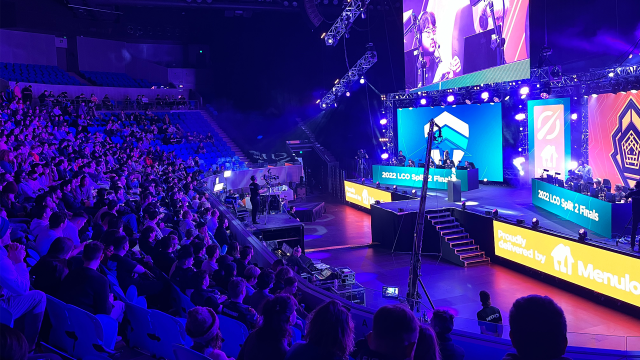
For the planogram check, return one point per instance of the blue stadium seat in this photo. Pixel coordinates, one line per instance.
(6, 317)
(169, 331)
(234, 333)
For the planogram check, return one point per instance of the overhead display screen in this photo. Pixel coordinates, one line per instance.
(549, 137)
(614, 137)
(445, 39)
(470, 133)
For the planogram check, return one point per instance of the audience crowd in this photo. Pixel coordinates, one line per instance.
(84, 207)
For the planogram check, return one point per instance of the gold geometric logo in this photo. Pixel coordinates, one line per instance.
(631, 151)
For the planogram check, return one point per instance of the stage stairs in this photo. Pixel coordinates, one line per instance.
(226, 138)
(455, 243)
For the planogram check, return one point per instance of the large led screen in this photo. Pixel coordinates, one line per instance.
(549, 136)
(470, 133)
(444, 39)
(614, 137)
(600, 270)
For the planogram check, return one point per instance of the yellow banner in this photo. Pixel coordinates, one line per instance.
(364, 195)
(600, 270)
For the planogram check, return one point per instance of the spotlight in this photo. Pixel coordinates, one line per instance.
(594, 95)
(451, 98)
(496, 99)
(517, 162)
(485, 180)
(413, 192)
(464, 206)
(494, 213)
(362, 181)
(348, 93)
(395, 188)
(611, 74)
(377, 184)
(524, 91)
(520, 221)
(227, 173)
(520, 116)
(484, 96)
(535, 223)
(545, 92)
(384, 156)
(362, 80)
(582, 235)
(383, 121)
(423, 101)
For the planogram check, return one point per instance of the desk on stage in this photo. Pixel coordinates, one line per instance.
(603, 217)
(412, 176)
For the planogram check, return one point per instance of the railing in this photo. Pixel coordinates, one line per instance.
(124, 104)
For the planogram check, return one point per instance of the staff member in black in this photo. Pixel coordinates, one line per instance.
(635, 212)
(255, 198)
(401, 158)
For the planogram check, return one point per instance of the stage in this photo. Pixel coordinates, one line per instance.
(511, 203)
(343, 238)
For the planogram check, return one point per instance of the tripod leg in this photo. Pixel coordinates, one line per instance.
(426, 294)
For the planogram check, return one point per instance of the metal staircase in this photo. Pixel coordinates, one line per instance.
(226, 138)
(455, 243)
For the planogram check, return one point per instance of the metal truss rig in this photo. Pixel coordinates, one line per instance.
(345, 20)
(355, 73)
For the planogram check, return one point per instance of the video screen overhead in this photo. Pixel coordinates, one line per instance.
(471, 133)
(614, 137)
(549, 137)
(444, 39)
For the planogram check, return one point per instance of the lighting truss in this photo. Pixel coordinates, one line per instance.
(345, 20)
(354, 74)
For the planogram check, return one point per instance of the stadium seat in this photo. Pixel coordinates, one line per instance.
(96, 333)
(169, 331)
(234, 333)
(6, 317)
(181, 303)
(184, 353)
(62, 336)
(141, 332)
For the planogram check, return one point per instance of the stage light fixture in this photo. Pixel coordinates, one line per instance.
(517, 162)
(451, 98)
(413, 192)
(494, 213)
(423, 101)
(535, 223)
(574, 116)
(524, 90)
(520, 221)
(545, 92)
(347, 93)
(484, 96)
(582, 235)
(387, 188)
(362, 181)
(487, 212)
(377, 184)
(395, 188)
(341, 85)
(227, 173)
(383, 121)
(384, 156)
(404, 192)
(521, 116)
(463, 206)
(594, 95)
(485, 180)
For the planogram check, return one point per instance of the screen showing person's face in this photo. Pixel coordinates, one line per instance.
(429, 39)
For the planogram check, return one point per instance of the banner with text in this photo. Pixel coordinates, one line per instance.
(411, 176)
(594, 214)
(600, 270)
(549, 136)
(364, 195)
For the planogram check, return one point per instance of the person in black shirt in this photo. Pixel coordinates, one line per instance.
(183, 269)
(489, 318)
(401, 158)
(235, 309)
(221, 236)
(255, 198)
(202, 295)
(442, 324)
(295, 263)
(243, 262)
(635, 211)
(87, 289)
(129, 272)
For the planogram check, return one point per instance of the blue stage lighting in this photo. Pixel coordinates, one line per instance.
(383, 121)
(423, 101)
(485, 95)
(385, 156)
(451, 98)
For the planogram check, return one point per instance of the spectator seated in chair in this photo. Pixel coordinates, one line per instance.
(235, 309)
(203, 327)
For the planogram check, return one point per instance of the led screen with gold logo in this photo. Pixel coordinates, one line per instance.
(600, 270)
(364, 195)
(614, 137)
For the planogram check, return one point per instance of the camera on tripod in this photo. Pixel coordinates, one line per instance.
(268, 178)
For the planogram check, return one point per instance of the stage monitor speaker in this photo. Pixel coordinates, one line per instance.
(454, 190)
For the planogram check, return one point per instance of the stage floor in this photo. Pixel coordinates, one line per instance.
(512, 203)
(343, 238)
